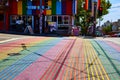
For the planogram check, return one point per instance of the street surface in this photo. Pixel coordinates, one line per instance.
(59, 58)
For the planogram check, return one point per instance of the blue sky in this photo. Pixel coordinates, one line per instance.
(114, 1)
(114, 13)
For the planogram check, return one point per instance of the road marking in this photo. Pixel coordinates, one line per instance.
(93, 68)
(9, 40)
(53, 72)
(105, 73)
(83, 61)
(5, 50)
(86, 60)
(102, 71)
(12, 72)
(94, 58)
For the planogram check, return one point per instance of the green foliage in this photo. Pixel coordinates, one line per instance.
(81, 12)
(83, 17)
(106, 5)
(107, 29)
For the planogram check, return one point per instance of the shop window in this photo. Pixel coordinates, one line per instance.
(46, 3)
(24, 19)
(13, 19)
(66, 20)
(54, 18)
(49, 18)
(60, 20)
(1, 17)
(29, 20)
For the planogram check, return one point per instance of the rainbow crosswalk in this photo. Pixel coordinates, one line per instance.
(59, 58)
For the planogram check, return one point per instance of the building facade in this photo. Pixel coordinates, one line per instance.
(55, 13)
(116, 26)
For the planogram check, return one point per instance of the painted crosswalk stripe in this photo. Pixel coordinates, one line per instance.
(15, 68)
(9, 40)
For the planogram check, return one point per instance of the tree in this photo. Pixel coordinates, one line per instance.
(105, 5)
(83, 17)
(107, 29)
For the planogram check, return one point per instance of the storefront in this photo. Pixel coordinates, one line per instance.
(19, 22)
(24, 12)
(20, 16)
(3, 15)
(62, 13)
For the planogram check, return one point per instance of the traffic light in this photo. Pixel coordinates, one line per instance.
(100, 11)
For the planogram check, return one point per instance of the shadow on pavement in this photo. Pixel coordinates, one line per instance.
(24, 48)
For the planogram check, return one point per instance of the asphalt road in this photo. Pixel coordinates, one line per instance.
(59, 58)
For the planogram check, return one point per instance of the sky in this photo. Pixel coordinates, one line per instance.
(114, 12)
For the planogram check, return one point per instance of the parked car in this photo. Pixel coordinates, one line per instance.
(114, 35)
(118, 34)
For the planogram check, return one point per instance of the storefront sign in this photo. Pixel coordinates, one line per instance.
(37, 7)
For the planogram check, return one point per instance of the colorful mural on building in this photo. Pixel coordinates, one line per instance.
(59, 11)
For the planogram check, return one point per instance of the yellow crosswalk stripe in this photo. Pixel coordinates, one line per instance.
(86, 60)
(96, 68)
(94, 63)
(102, 69)
(93, 68)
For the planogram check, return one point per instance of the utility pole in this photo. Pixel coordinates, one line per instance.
(95, 16)
(40, 19)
